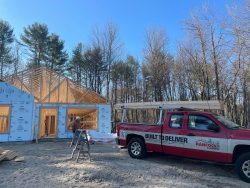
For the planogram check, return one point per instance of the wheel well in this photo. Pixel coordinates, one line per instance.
(130, 136)
(240, 149)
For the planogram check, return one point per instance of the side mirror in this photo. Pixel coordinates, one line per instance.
(213, 127)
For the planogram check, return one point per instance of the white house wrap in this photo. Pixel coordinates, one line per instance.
(21, 110)
(40, 104)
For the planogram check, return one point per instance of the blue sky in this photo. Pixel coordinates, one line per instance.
(74, 20)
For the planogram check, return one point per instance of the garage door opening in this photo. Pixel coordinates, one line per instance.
(88, 118)
(48, 123)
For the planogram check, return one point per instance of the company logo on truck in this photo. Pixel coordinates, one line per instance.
(209, 144)
(166, 138)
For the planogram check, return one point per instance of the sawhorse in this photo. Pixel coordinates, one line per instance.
(82, 141)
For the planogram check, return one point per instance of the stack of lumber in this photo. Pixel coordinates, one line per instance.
(7, 155)
(199, 105)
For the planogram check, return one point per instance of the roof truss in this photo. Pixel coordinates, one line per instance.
(48, 86)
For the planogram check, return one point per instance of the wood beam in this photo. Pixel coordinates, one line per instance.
(202, 105)
(58, 91)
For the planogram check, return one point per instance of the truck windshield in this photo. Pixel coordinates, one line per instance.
(225, 121)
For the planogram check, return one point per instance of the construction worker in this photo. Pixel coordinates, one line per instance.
(76, 124)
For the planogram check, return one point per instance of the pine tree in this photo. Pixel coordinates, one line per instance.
(75, 65)
(56, 55)
(35, 37)
(6, 39)
(94, 69)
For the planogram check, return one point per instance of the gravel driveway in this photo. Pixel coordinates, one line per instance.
(47, 164)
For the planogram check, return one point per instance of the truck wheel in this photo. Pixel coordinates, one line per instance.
(243, 167)
(136, 148)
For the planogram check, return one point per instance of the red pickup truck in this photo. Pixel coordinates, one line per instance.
(193, 134)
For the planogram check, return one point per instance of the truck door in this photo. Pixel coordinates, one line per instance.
(174, 137)
(204, 143)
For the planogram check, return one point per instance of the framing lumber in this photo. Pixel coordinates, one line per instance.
(199, 105)
(48, 86)
(56, 88)
(26, 87)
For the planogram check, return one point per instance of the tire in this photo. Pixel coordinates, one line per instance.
(243, 167)
(136, 148)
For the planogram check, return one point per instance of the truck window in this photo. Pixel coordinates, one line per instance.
(176, 121)
(199, 122)
(226, 122)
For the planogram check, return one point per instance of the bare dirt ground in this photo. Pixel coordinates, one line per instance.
(47, 164)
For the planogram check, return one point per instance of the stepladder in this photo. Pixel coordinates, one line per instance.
(81, 144)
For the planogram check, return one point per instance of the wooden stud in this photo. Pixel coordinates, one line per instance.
(67, 92)
(58, 91)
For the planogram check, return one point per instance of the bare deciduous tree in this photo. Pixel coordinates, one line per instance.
(157, 64)
(109, 43)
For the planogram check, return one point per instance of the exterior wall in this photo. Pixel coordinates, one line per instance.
(25, 113)
(104, 118)
(21, 110)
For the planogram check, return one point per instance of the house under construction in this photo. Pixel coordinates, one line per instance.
(43, 103)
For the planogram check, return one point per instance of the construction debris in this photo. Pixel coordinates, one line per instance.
(2, 157)
(8, 155)
(19, 159)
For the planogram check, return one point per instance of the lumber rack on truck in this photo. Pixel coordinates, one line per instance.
(169, 105)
